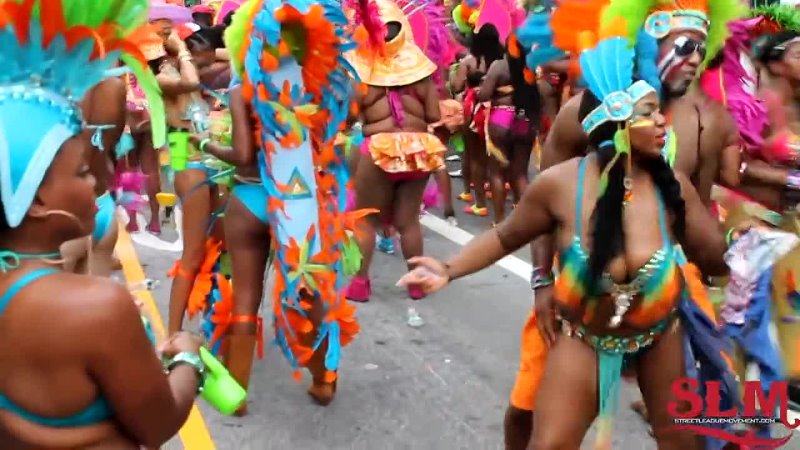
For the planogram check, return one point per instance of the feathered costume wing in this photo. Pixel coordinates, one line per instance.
(289, 55)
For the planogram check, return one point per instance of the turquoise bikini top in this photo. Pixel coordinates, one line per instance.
(98, 411)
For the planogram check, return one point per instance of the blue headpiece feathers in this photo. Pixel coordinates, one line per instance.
(536, 36)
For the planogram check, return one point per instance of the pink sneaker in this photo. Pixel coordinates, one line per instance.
(359, 289)
(415, 292)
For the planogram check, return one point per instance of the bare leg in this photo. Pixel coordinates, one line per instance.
(445, 187)
(373, 190)
(406, 216)
(148, 156)
(196, 207)
(466, 162)
(248, 243)
(443, 178)
(517, 428)
(478, 160)
(518, 169)
(566, 402)
(659, 367)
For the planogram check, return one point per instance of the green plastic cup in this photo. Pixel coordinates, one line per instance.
(220, 390)
(178, 149)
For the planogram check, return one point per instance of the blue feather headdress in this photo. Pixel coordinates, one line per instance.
(51, 57)
(536, 37)
(607, 68)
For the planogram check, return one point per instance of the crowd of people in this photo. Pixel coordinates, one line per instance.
(649, 147)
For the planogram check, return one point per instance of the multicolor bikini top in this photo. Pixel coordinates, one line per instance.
(658, 282)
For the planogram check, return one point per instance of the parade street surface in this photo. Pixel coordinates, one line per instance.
(444, 386)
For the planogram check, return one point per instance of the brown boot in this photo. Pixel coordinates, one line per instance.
(321, 391)
(239, 352)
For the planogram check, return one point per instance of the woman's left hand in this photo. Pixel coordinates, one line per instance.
(428, 273)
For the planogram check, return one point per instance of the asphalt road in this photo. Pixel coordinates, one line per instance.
(444, 386)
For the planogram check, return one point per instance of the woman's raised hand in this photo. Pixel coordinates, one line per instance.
(181, 341)
(428, 273)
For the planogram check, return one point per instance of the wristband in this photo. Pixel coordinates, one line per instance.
(193, 360)
(793, 180)
(729, 238)
(203, 143)
(541, 278)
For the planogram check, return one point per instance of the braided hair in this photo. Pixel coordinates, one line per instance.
(526, 96)
(608, 235)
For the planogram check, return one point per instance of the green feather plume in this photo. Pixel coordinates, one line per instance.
(720, 12)
(786, 16)
(235, 34)
(127, 15)
(634, 12)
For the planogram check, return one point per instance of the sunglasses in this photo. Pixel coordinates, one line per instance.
(686, 47)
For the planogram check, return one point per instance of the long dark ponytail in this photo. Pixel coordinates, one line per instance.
(485, 45)
(608, 235)
(526, 96)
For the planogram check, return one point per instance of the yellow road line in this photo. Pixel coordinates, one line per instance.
(194, 434)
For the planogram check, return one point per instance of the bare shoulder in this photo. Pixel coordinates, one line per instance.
(101, 301)
(687, 187)
(561, 173)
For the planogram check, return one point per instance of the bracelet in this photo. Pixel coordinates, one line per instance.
(742, 168)
(203, 143)
(793, 180)
(541, 278)
(194, 361)
(729, 236)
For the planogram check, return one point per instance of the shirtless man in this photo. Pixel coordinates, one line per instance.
(400, 103)
(706, 150)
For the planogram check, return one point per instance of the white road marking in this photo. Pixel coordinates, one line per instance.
(459, 236)
(523, 270)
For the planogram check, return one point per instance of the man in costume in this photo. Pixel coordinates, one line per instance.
(761, 98)
(399, 153)
(672, 41)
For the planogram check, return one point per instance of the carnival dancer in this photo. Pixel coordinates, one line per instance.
(512, 124)
(119, 395)
(624, 299)
(187, 113)
(764, 107)
(484, 49)
(400, 103)
(672, 39)
(293, 95)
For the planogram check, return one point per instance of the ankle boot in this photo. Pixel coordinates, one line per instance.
(239, 352)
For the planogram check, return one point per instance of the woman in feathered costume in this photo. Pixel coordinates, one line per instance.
(399, 153)
(625, 298)
(289, 193)
(113, 393)
(673, 39)
(755, 82)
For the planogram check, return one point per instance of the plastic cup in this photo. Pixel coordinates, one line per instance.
(178, 149)
(220, 390)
